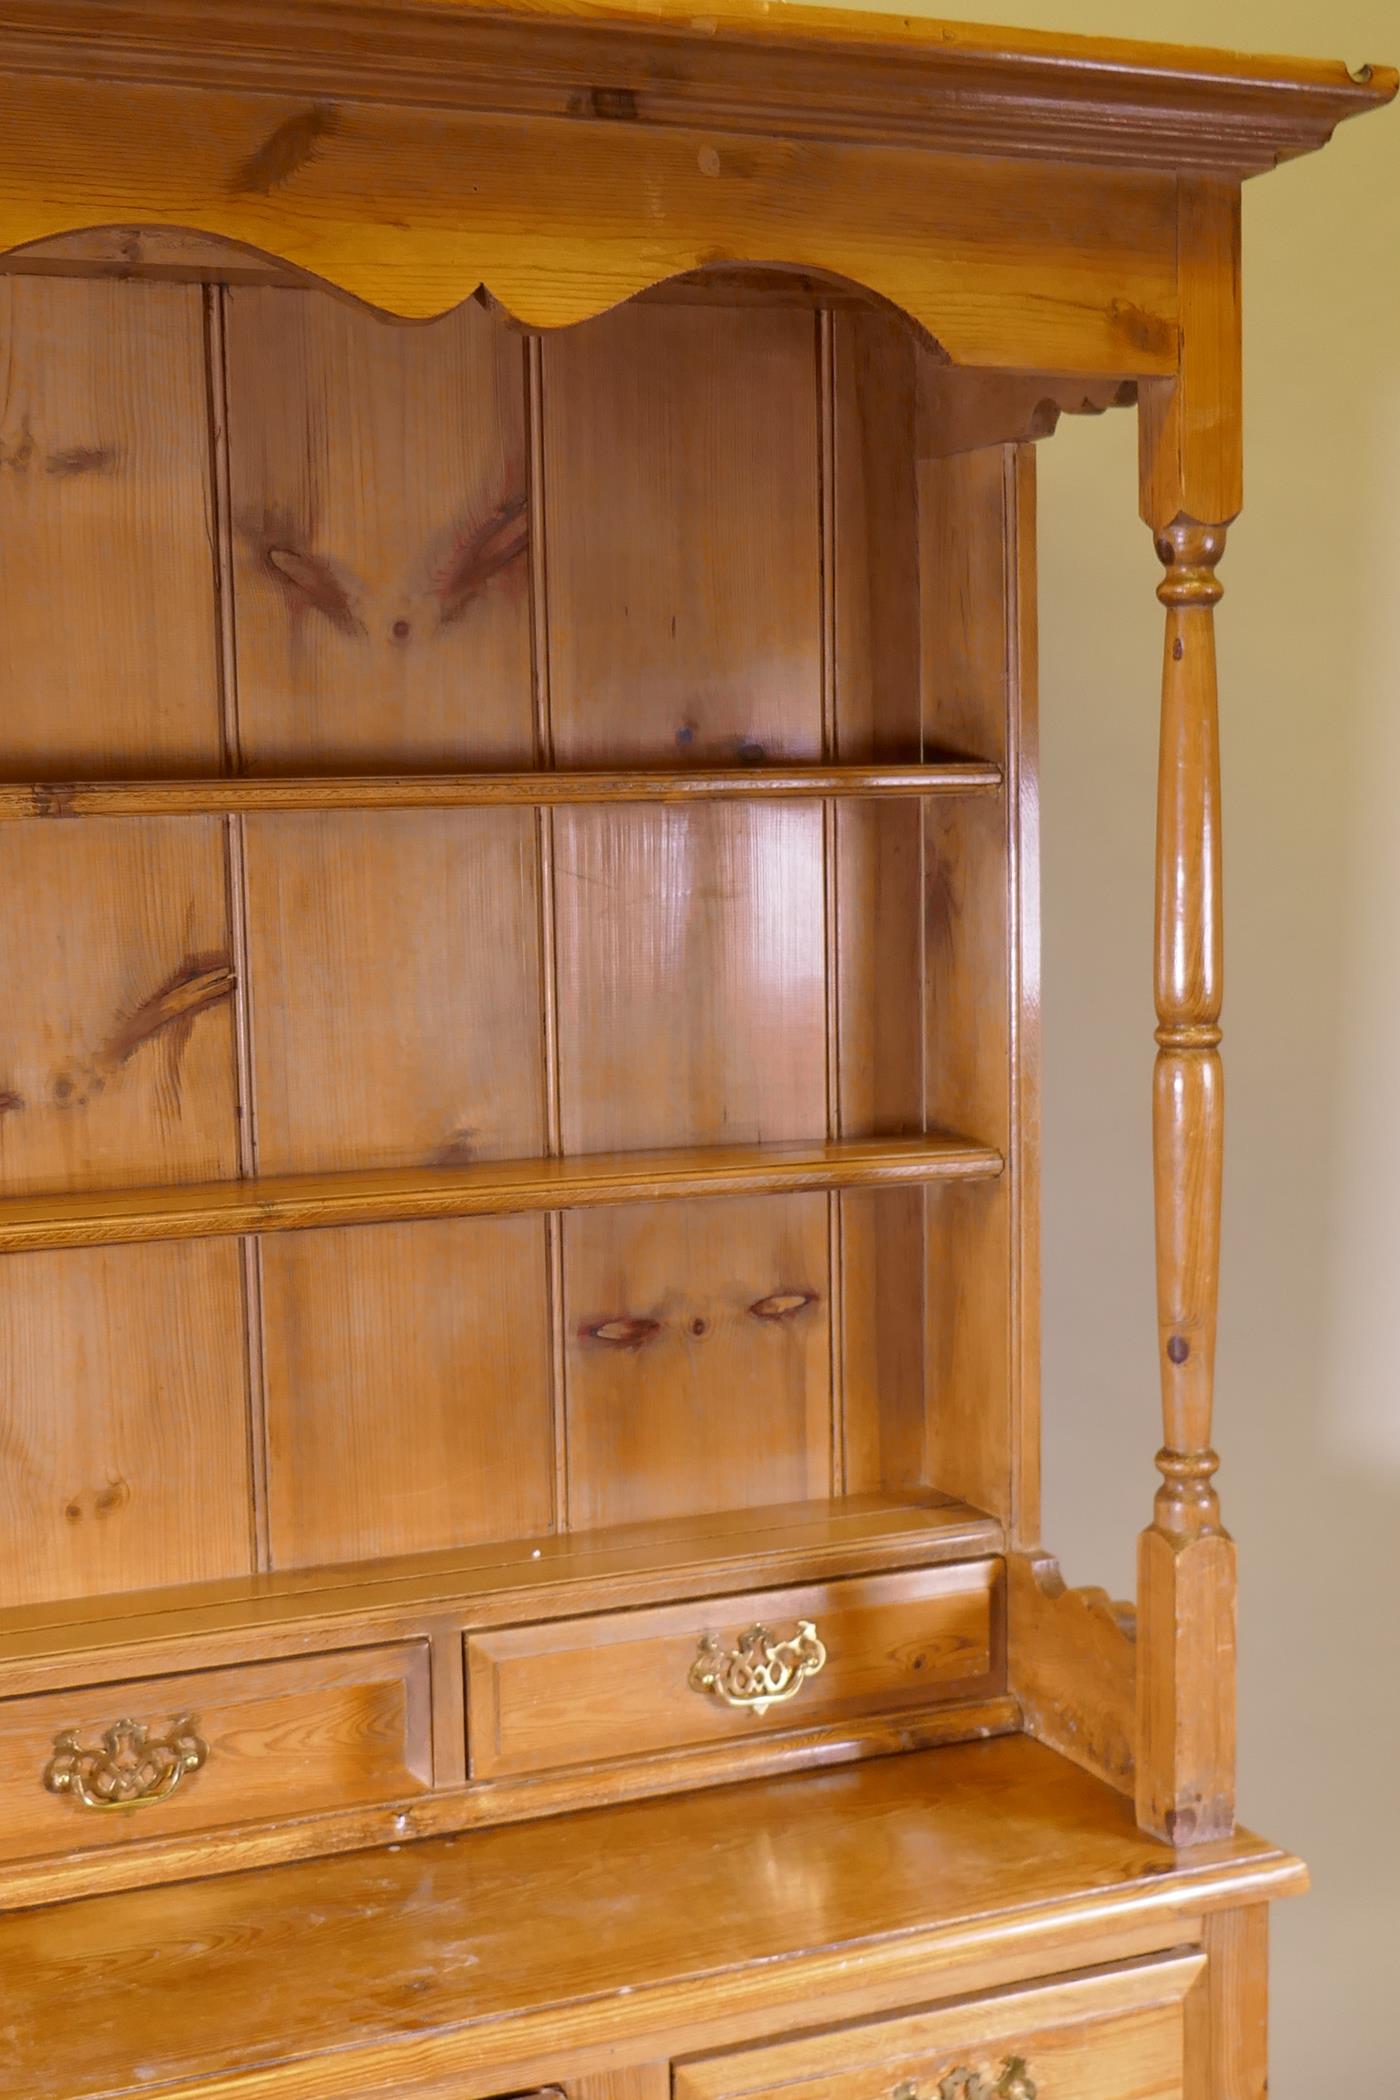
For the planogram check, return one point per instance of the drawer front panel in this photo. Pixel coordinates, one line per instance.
(580, 1691)
(1115, 2034)
(263, 1739)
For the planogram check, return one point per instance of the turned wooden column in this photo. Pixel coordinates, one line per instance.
(1186, 1561)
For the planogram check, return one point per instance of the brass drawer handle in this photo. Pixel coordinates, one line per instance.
(1014, 2083)
(132, 1768)
(760, 1671)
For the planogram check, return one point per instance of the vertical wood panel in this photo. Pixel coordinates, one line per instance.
(683, 1398)
(681, 474)
(107, 641)
(691, 977)
(116, 1045)
(380, 526)
(684, 617)
(408, 1388)
(394, 966)
(967, 525)
(879, 852)
(380, 514)
(123, 1447)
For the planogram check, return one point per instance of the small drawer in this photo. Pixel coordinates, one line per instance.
(1113, 2034)
(634, 1683)
(212, 1747)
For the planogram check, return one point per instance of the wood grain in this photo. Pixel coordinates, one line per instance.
(381, 524)
(591, 1689)
(107, 648)
(602, 1569)
(680, 459)
(1186, 1560)
(691, 961)
(452, 1808)
(668, 1315)
(565, 219)
(830, 73)
(306, 1973)
(728, 905)
(317, 1730)
(395, 977)
(1191, 425)
(1117, 2035)
(874, 875)
(407, 1394)
(296, 1203)
(125, 1424)
(972, 693)
(134, 798)
(118, 1050)
(1073, 1665)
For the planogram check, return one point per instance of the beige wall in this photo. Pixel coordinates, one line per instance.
(1309, 1369)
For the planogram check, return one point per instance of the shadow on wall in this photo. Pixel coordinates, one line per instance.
(1308, 1414)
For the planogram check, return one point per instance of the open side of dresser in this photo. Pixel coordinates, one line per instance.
(519, 1282)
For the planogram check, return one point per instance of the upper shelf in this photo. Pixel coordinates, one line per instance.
(155, 798)
(393, 1195)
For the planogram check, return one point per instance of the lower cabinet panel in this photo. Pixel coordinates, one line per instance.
(1114, 2034)
(630, 1683)
(97, 1767)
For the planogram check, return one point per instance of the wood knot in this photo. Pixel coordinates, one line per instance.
(783, 1305)
(1189, 552)
(621, 1332)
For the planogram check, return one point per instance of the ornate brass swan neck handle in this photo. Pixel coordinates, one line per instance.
(131, 1768)
(1013, 2083)
(759, 1671)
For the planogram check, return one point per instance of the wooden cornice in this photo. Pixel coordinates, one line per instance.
(776, 70)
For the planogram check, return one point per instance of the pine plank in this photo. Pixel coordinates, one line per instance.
(107, 649)
(297, 1203)
(683, 557)
(116, 1050)
(407, 1389)
(380, 519)
(23, 800)
(125, 1427)
(876, 858)
(394, 971)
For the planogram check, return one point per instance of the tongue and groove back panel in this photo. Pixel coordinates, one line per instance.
(258, 529)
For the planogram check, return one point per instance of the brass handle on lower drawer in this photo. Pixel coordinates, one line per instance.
(1014, 2083)
(130, 1769)
(760, 1671)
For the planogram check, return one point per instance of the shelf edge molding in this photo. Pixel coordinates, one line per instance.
(398, 1195)
(60, 799)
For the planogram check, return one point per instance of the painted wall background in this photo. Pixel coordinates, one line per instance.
(1308, 1420)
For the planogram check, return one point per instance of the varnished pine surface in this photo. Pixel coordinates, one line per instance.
(746, 64)
(137, 798)
(507, 1581)
(300, 1202)
(429, 1961)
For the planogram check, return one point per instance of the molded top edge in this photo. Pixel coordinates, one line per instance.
(775, 65)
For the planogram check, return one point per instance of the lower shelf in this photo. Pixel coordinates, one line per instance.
(510, 1579)
(627, 1934)
(321, 1711)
